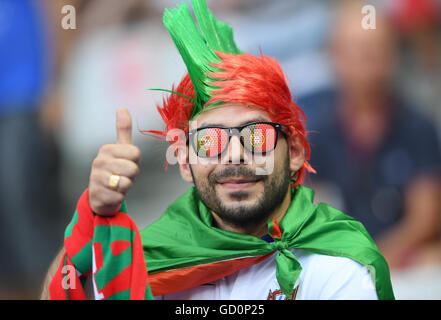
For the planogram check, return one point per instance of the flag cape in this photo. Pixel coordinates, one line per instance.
(107, 249)
(183, 250)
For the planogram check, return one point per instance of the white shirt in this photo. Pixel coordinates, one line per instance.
(322, 278)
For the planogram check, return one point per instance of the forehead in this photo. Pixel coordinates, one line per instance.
(229, 115)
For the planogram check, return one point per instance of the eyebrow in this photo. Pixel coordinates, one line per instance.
(210, 124)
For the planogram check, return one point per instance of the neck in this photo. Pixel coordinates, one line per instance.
(261, 229)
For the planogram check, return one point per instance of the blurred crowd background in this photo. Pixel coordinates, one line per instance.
(372, 99)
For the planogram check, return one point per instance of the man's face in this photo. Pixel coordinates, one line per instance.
(230, 185)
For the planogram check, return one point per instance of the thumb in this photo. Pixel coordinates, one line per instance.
(123, 126)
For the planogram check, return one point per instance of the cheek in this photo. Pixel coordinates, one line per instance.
(201, 172)
(200, 167)
(265, 164)
(281, 151)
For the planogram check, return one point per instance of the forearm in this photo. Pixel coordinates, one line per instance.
(52, 269)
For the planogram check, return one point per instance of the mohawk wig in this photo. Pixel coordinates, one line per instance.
(218, 72)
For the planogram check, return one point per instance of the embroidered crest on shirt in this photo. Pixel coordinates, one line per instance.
(279, 295)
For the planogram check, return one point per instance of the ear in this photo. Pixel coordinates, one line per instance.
(184, 165)
(296, 153)
(185, 171)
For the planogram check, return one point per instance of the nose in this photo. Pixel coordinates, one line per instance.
(235, 151)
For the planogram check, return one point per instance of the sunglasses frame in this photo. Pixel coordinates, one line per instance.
(236, 131)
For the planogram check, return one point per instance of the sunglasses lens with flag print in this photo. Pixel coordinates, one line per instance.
(255, 137)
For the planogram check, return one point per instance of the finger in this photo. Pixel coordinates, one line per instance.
(124, 185)
(126, 151)
(123, 126)
(122, 167)
(102, 178)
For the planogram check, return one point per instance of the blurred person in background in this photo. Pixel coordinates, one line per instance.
(377, 158)
(29, 202)
(418, 25)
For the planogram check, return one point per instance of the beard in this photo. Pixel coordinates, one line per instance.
(259, 206)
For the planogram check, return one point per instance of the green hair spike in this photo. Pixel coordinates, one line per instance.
(197, 46)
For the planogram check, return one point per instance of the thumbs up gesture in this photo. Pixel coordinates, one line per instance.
(114, 169)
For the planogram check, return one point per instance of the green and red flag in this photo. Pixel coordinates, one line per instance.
(106, 249)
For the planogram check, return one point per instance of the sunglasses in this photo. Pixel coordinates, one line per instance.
(255, 137)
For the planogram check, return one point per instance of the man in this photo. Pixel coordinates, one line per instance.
(245, 151)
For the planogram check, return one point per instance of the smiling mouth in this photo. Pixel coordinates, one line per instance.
(237, 184)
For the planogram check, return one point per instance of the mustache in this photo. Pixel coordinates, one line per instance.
(242, 171)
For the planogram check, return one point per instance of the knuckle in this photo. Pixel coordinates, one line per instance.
(126, 187)
(136, 154)
(94, 163)
(103, 149)
(132, 170)
(98, 162)
(135, 170)
(129, 184)
(118, 198)
(132, 152)
(107, 148)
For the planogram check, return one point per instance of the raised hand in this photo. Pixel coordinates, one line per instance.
(114, 169)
